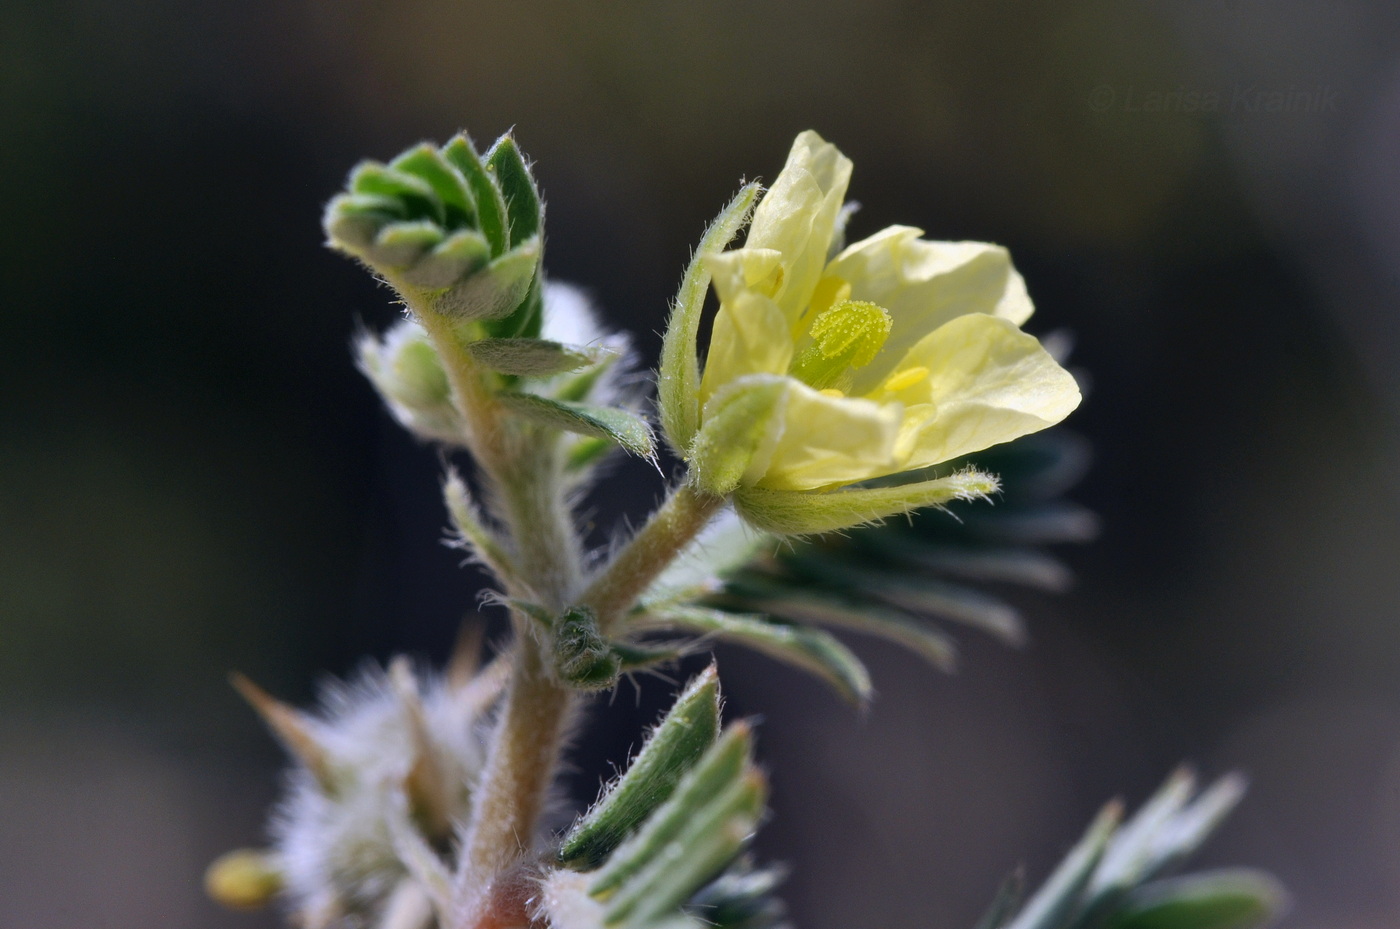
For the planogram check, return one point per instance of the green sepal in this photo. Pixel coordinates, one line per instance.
(812, 650)
(581, 657)
(524, 210)
(735, 425)
(1060, 896)
(490, 204)
(719, 769)
(427, 164)
(604, 422)
(678, 381)
(672, 749)
(787, 512)
(530, 357)
(856, 615)
(1226, 899)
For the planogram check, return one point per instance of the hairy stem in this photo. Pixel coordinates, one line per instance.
(646, 555)
(522, 470)
(514, 787)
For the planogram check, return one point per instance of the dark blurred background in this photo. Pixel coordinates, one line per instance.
(193, 478)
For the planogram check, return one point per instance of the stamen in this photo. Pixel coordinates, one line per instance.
(906, 378)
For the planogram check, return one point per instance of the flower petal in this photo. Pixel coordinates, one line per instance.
(828, 441)
(797, 217)
(739, 269)
(988, 383)
(750, 337)
(924, 284)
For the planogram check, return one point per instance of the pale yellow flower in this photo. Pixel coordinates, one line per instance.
(894, 354)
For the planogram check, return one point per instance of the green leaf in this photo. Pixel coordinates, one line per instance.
(1227, 899)
(493, 291)
(719, 768)
(447, 184)
(576, 389)
(523, 208)
(741, 898)
(626, 429)
(454, 258)
(1060, 895)
(636, 657)
(352, 221)
(490, 204)
(709, 841)
(415, 194)
(813, 650)
(678, 382)
(530, 357)
(825, 609)
(672, 749)
(992, 564)
(1058, 521)
(399, 245)
(1004, 904)
(689, 839)
(912, 592)
(586, 452)
(1169, 827)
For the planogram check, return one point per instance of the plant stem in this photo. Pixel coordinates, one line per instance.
(521, 467)
(523, 473)
(518, 775)
(649, 552)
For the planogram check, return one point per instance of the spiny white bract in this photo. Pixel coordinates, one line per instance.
(399, 755)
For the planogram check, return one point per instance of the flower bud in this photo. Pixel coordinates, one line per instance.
(454, 234)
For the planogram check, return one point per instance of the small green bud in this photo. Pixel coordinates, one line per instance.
(582, 657)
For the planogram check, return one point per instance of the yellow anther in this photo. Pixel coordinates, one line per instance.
(833, 393)
(906, 378)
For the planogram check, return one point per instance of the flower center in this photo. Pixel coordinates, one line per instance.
(845, 337)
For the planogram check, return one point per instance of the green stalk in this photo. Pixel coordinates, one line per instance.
(670, 529)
